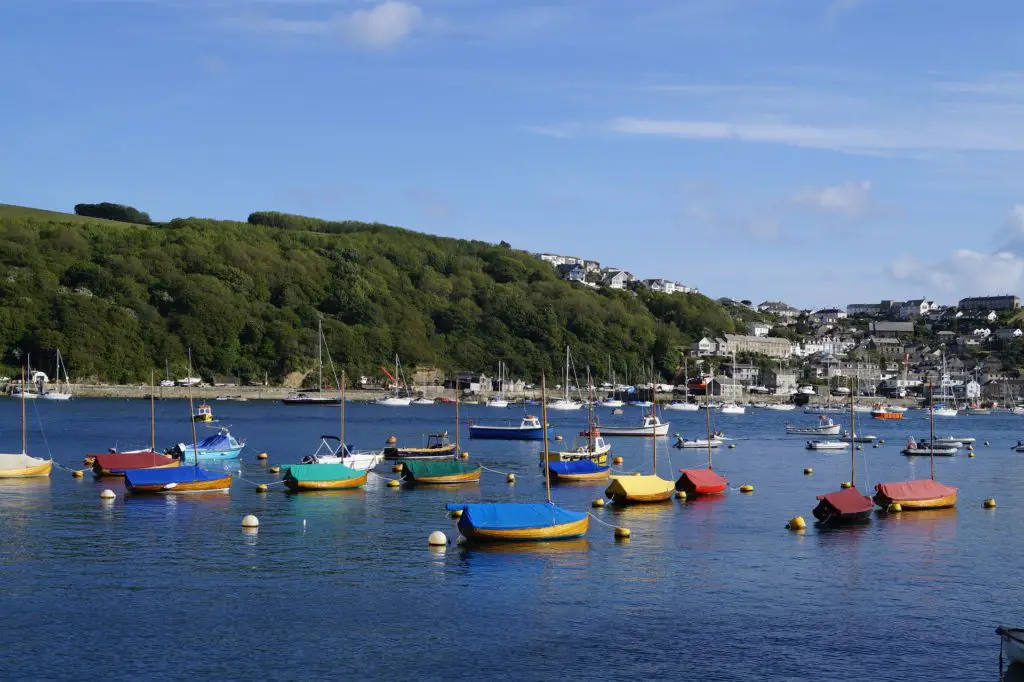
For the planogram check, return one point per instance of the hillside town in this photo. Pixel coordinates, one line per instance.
(973, 350)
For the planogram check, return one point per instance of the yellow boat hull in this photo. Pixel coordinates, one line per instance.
(468, 477)
(39, 471)
(216, 485)
(341, 484)
(203, 417)
(921, 505)
(590, 476)
(563, 531)
(640, 489)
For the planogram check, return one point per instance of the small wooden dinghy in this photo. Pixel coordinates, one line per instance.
(640, 489)
(517, 522)
(439, 473)
(580, 470)
(697, 482)
(115, 464)
(298, 477)
(915, 495)
(177, 480)
(20, 465)
(846, 507)
(438, 447)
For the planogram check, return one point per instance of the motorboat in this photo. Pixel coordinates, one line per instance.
(1012, 643)
(882, 411)
(680, 406)
(686, 443)
(824, 427)
(584, 449)
(651, 426)
(857, 438)
(438, 447)
(395, 401)
(733, 408)
(780, 407)
(333, 451)
(826, 445)
(529, 428)
(915, 449)
(564, 405)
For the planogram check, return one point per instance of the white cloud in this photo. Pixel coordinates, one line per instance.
(851, 200)
(559, 131)
(967, 272)
(383, 25)
(376, 28)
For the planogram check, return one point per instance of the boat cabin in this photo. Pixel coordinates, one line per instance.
(438, 440)
(530, 422)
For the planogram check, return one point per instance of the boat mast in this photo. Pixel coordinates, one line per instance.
(654, 421)
(566, 378)
(707, 416)
(853, 437)
(24, 449)
(544, 417)
(152, 411)
(590, 412)
(931, 427)
(320, 354)
(341, 390)
(191, 410)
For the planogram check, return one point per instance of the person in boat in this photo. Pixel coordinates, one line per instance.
(911, 444)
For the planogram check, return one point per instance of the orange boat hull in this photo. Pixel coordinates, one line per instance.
(215, 485)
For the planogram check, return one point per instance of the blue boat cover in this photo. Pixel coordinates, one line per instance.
(583, 466)
(513, 515)
(218, 441)
(179, 474)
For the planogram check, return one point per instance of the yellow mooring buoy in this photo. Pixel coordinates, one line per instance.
(262, 488)
(622, 533)
(808, 471)
(394, 483)
(680, 494)
(617, 460)
(599, 502)
(895, 508)
(845, 484)
(990, 503)
(796, 523)
(747, 488)
(262, 455)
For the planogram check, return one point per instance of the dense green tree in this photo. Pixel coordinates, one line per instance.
(108, 211)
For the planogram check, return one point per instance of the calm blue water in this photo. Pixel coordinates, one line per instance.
(343, 584)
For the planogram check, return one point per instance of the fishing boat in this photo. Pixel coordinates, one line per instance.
(499, 400)
(519, 521)
(116, 462)
(219, 446)
(915, 449)
(824, 427)
(398, 396)
(882, 411)
(651, 427)
(703, 481)
(435, 472)
(301, 477)
(589, 461)
(643, 488)
(857, 437)
(847, 506)
(919, 494)
(315, 396)
(57, 393)
(589, 446)
(529, 428)
(21, 464)
(826, 445)
(203, 413)
(1011, 643)
(438, 447)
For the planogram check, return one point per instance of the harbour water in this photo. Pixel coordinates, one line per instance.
(343, 584)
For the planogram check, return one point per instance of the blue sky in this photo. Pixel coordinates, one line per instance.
(818, 151)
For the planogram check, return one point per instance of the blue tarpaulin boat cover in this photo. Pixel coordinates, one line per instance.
(180, 474)
(583, 466)
(218, 441)
(513, 515)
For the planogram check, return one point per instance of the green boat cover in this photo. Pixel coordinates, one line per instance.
(319, 472)
(413, 469)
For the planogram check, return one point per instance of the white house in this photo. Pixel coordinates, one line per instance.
(572, 272)
(1008, 334)
(758, 328)
(981, 333)
(615, 279)
(761, 345)
(992, 317)
(666, 286)
(783, 310)
(705, 347)
(915, 308)
(827, 316)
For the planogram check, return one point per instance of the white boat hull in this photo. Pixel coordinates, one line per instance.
(612, 403)
(56, 396)
(813, 431)
(360, 461)
(497, 403)
(780, 407)
(698, 443)
(395, 402)
(422, 401)
(734, 409)
(1013, 644)
(659, 430)
(827, 445)
(946, 412)
(564, 406)
(681, 407)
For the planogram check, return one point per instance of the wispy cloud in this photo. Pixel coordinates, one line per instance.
(850, 200)
(559, 131)
(377, 27)
(837, 8)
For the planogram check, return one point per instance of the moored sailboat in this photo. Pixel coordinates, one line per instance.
(643, 488)
(21, 464)
(918, 494)
(703, 481)
(587, 463)
(441, 472)
(115, 463)
(847, 506)
(512, 521)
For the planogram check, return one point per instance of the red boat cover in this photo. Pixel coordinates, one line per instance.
(926, 489)
(849, 501)
(703, 481)
(120, 461)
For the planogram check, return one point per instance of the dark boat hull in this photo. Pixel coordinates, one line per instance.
(827, 516)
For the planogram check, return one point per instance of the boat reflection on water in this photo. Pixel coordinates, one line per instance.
(533, 548)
